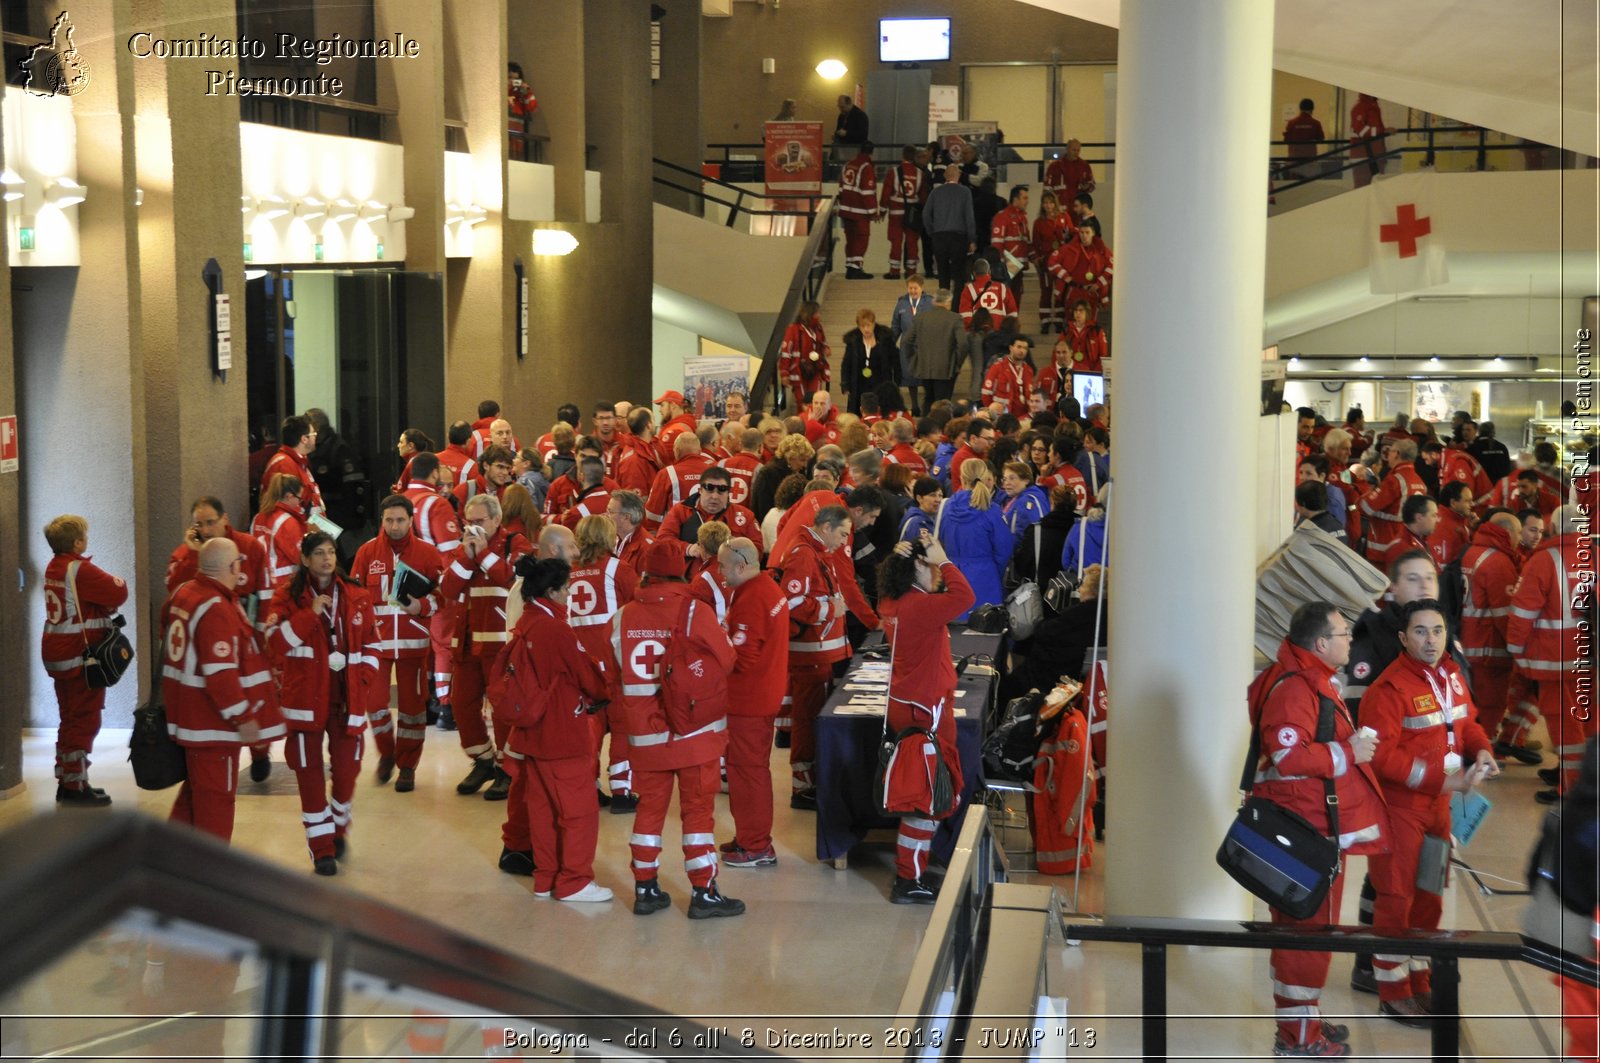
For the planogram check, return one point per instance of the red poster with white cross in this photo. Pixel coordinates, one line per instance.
(8, 443)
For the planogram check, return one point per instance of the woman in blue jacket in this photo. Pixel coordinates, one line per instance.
(926, 497)
(975, 535)
(1026, 503)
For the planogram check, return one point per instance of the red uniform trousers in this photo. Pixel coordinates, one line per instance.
(1522, 708)
(915, 839)
(857, 231)
(205, 800)
(1491, 678)
(563, 822)
(441, 628)
(749, 762)
(400, 735)
(466, 697)
(902, 245)
(619, 773)
(515, 833)
(81, 706)
(1298, 977)
(698, 786)
(1580, 1015)
(1569, 723)
(808, 692)
(1401, 905)
(325, 819)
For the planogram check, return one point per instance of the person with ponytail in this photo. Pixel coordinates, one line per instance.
(973, 530)
(318, 628)
(555, 749)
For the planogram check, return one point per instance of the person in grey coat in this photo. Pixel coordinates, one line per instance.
(933, 347)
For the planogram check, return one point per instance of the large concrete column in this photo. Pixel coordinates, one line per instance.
(1193, 94)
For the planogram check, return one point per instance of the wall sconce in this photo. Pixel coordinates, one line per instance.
(468, 214)
(769, 66)
(341, 210)
(399, 212)
(13, 183)
(554, 242)
(138, 197)
(270, 207)
(309, 208)
(372, 211)
(65, 192)
(832, 69)
(246, 204)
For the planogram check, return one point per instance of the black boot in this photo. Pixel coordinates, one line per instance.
(648, 897)
(483, 769)
(447, 718)
(707, 903)
(516, 861)
(500, 789)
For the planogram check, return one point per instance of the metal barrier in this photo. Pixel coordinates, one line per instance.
(1446, 948)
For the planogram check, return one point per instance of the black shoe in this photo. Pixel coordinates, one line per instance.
(516, 861)
(339, 847)
(1336, 1032)
(856, 275)
(260, 767)
(1550, 776)
(500, 789)
(804, 800)
(605, 798)
(325, 865)
(88, 797)
(385, 769)
(482, 773)
(406, 782)
(447, 719)
(1548, 797)
(780, 740)
(432, 712)
(648, 897)
(1362, 980)
(707, 903)
(1407, 1012)
(624, 804)
(911, 891)
(1521, 755)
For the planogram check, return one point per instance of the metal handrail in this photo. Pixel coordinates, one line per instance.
(1445, 947)
(805, 286)
(63, 878)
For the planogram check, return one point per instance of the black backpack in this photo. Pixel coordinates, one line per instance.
(1010, 749)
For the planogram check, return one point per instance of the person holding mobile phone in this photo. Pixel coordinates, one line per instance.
(1429, 746)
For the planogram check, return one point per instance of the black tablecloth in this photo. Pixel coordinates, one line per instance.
(847, 754)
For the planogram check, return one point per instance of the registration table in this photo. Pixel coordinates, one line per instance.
(851, 725)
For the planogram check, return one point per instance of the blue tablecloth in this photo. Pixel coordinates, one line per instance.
(847, 755)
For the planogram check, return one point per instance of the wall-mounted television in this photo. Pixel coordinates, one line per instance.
(913, 40)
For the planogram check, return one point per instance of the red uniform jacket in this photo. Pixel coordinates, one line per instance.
(459, 462)
(816, 602)
(1048, 234)
(742, 467)
(916, 625)
(637, 467)
(684, 422)
(631, 548)
(1088, 346)
(465, 492)
(1067, 177)
(397, 634)
(825, 431)
(672, 485)
(1082, 273)
(992, 295)
(758, 628)
(73, 623)
(1542, 632)
(1053, 381)
(1067, 475)
(858, 189)
(1490, 568)
(1293, 764)
(594, 594)
(1459, 465)
(906, 454)
(1011, 382)
(1420, 714)
(640, 634)
(1382, 510)
(213, 675)
(803, 359)
(482, 585)
(707, 587)
(305, 645)
(591, 503)
(280, 531)
(1505, 494)
(567, 679)
(433, 520)
(1009, 232)
(1301, 131)
(287, 460)
(906, 183)
(481, 439)
(1450, 539)
(184, 565)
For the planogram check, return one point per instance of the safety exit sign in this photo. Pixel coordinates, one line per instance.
(8, 443)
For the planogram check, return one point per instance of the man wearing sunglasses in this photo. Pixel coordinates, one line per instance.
(712, 500)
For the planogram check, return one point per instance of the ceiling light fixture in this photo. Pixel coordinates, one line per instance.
(832, 69)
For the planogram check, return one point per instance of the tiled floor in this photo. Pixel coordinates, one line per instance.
(827, 944)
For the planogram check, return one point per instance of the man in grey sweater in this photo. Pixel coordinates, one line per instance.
(932, 347)
(949, 220)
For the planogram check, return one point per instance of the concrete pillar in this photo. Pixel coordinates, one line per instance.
(548, 40)
(14, 682)
(678, 135)
(1194, 89)
(415, 89)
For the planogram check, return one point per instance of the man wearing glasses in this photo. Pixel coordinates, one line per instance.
(711, 501)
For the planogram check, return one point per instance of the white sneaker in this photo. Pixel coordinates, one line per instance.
(545, 896)
(592, 893)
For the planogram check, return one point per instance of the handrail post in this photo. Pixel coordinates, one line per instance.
(1446, 982)
(1155, 1002)
(733, 211)
(1483, 149)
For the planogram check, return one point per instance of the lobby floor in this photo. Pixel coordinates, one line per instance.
(824, 947)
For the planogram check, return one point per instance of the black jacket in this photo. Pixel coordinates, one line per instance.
(884, 363)
(1060, 645)
(1052, 534)
(851, 128)
(764, 486)
(1374, 646)
(1493, 456)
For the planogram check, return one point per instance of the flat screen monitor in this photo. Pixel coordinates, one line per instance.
(913, 40)
(1088, 389)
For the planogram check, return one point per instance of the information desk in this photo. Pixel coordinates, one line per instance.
(848, 738)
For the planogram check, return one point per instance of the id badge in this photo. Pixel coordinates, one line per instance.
(1432, 864)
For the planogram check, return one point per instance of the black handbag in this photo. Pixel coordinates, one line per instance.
(105, 662)
(913, 208)
(1276, 854)
(158, 761)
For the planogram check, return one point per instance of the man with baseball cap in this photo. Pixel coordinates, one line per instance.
(675, 421)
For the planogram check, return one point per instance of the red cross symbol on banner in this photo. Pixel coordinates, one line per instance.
(1407, 230)
(581, 599)
(646, 659)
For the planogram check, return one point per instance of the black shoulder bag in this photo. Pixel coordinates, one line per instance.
(1276, 854)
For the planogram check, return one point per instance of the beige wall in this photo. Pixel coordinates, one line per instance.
(738, 98)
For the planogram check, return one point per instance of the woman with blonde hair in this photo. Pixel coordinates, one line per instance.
(280, 525)
(974, 533)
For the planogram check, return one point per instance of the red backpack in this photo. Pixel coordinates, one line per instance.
(514, 690)
(694, 689)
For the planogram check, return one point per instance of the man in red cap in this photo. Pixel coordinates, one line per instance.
(644, 636)
(675, 421)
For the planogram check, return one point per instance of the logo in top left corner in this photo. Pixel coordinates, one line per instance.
(56, 68)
